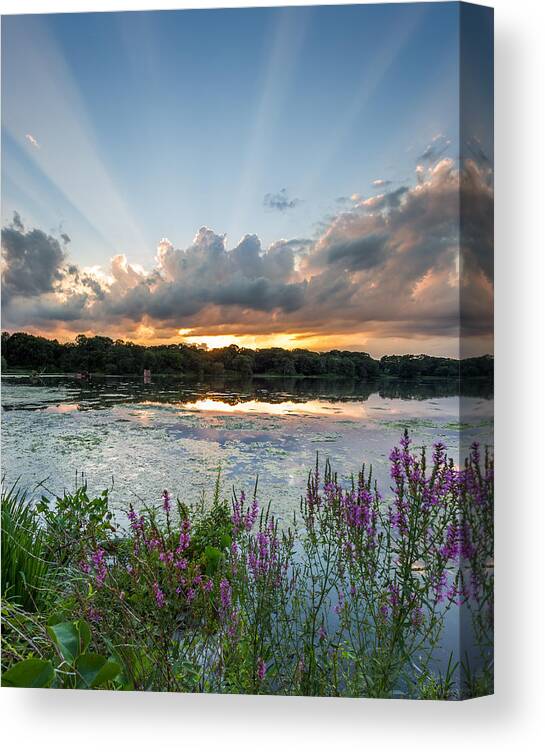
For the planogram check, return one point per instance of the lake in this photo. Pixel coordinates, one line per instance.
(137, 439)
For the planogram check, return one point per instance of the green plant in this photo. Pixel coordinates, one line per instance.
(74, 520)
(74, 667)
(351, 601)
(28, 575)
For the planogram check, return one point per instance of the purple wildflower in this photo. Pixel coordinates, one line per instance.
(94, 615)
(166, 501)
(261, 669)
(225, 595)
(159, 595)
(185, 536)
(99, 565)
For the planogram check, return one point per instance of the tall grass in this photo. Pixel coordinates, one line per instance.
(27, 575)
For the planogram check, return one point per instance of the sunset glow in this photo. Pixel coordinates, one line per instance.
(289, 221)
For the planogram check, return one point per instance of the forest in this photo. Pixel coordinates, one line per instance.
(103, 355)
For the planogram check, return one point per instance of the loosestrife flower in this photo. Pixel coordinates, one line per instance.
(458, 543)
(136, 522)
(261, 669)
(94, 615)
(159, 595)
(417, 617)
(166, 501)
(232, 629)
(225, 595)
(185, 536)
(99, 565)
(244, 520)
(439, 583)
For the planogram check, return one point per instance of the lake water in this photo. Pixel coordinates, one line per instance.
(137, 439)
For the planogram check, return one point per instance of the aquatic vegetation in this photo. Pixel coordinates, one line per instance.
(351, 599)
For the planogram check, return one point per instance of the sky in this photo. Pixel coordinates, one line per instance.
(284, 176)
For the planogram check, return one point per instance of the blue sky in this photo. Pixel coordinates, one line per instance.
(195, 116)
(120, 129)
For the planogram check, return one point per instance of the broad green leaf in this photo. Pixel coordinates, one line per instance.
(32, 672)
(66, 636)
(95, 670)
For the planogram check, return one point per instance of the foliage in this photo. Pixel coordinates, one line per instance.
(100, 354)
(73, 522)
(73, 665)
(351, 600)
(27, 573)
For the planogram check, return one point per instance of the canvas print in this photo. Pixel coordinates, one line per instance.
(247, 351)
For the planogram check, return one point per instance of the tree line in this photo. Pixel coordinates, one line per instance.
(104, 355)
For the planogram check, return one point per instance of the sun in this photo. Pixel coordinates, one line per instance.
(253, 341)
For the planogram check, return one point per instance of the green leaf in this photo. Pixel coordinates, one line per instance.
(67, 638)
(32, 672)
(84, 635)
(95, 670)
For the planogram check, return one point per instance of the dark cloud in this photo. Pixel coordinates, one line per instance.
(94, 285)
(187, 281)
(17, 223)
(280, 201)
(392, 264)
(32, 261)
(359, 253)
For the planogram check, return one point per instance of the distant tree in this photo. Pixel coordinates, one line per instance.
(102, 354)
(242, 364)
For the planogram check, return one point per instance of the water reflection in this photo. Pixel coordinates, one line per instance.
(222, 394)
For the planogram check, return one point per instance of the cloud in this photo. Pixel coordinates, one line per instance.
(380, 183)
(390, 265)
(358, 253)
(280, 201)
(389, 200)
(435, 150)
(31, 260)
(32, 141)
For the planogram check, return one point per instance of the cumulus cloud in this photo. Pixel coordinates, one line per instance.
(381, 183)
(280, 201)
(390, 265)
(31, 260)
